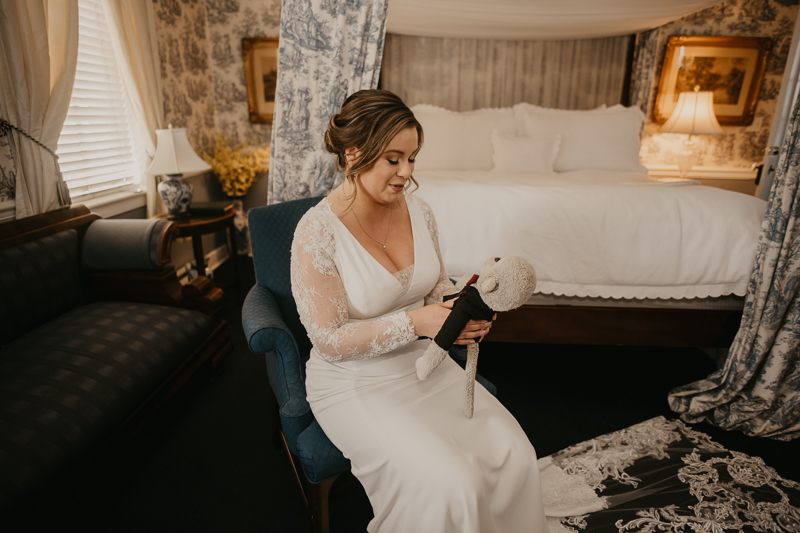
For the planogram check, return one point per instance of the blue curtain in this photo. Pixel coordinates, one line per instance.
(645, 56)
(758, 389)
(328, 50)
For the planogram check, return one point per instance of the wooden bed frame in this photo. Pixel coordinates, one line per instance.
(563, 324)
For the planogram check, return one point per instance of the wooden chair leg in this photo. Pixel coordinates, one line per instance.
(320, 517)
(315, 495)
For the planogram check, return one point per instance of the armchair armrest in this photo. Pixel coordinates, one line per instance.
(140, 244)
(267, 333)
(263, 324)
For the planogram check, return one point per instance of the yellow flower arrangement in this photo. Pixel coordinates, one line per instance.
(236, 167)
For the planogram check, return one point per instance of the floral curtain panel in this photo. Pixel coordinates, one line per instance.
(328, 50)
(645, 55)
(758, 389)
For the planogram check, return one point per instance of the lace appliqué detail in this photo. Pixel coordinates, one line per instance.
(577, 521)
(405, 276)
(322, 302)
(733, 491)
(726, 498)
(564, 494)
(607, 456)
(725, 502)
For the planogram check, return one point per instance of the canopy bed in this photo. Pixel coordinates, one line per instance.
(621, 258)
(672, 265)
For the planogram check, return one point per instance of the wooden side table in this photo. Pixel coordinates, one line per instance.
(741, 180)
(195, 226)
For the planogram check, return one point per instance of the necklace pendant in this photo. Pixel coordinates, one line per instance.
(384, 246)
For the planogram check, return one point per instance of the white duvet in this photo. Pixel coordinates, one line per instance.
(598, 233)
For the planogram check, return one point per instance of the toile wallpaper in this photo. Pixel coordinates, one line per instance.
(736, 146)
(202, 71)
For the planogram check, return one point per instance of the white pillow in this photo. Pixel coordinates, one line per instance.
(524, 155)
(460, 140)
(525, 106)
(599, 139)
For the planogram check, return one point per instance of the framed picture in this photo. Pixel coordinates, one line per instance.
(260, 56)
(731, 67)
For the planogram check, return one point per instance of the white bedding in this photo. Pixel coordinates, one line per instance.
(598, 233)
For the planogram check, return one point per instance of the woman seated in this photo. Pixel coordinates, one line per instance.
(368, 280)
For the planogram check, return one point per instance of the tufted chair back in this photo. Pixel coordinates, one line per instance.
(272, 231)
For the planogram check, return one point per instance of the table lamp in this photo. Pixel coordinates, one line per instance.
(693, 114)
(175, 156)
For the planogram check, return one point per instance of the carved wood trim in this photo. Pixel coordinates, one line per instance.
(168, 234)
(16, 232)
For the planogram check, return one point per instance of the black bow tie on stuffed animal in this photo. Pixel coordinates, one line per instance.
(504, 284)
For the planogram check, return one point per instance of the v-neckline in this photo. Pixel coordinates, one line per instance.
(413, 239)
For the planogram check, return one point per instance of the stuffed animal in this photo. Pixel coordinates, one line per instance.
(504, 284)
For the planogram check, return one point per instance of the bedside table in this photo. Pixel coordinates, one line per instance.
(741, 180)
(195, 226)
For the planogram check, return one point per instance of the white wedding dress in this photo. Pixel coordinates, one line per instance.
(423, 464)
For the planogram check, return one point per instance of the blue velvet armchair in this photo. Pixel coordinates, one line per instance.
(272, 327)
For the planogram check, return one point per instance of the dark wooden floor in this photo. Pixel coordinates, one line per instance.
(212, 465)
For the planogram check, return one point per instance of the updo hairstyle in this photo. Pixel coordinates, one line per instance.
(369, 120)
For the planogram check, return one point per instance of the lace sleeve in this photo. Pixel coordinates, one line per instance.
(443, 286)
(322, 302)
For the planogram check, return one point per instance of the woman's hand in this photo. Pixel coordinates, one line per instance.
(428, 320)
(475, 331)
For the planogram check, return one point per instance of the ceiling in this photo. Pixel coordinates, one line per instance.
(534, 19)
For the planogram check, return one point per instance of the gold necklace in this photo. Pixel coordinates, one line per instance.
(391, 210)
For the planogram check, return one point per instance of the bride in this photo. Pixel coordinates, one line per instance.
(368, 280)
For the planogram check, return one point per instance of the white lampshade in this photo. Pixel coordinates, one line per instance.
(174, 154)
(693, 114)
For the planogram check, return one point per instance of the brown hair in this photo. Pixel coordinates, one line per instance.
(369, 120)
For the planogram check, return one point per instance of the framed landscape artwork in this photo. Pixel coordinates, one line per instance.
(260, 56)
(731, 67)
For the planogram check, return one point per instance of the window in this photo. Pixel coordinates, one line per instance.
(97, 152)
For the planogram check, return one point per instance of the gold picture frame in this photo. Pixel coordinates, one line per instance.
(260, 56)
(732, 67)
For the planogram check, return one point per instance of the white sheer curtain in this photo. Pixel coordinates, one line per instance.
(466, 74)
(38, 55)
(133, 36)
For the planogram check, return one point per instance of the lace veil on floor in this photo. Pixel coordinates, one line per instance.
(662, 476)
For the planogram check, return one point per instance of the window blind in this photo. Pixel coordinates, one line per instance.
(96, 149)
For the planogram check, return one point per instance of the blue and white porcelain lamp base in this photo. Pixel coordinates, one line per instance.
(176, 194)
